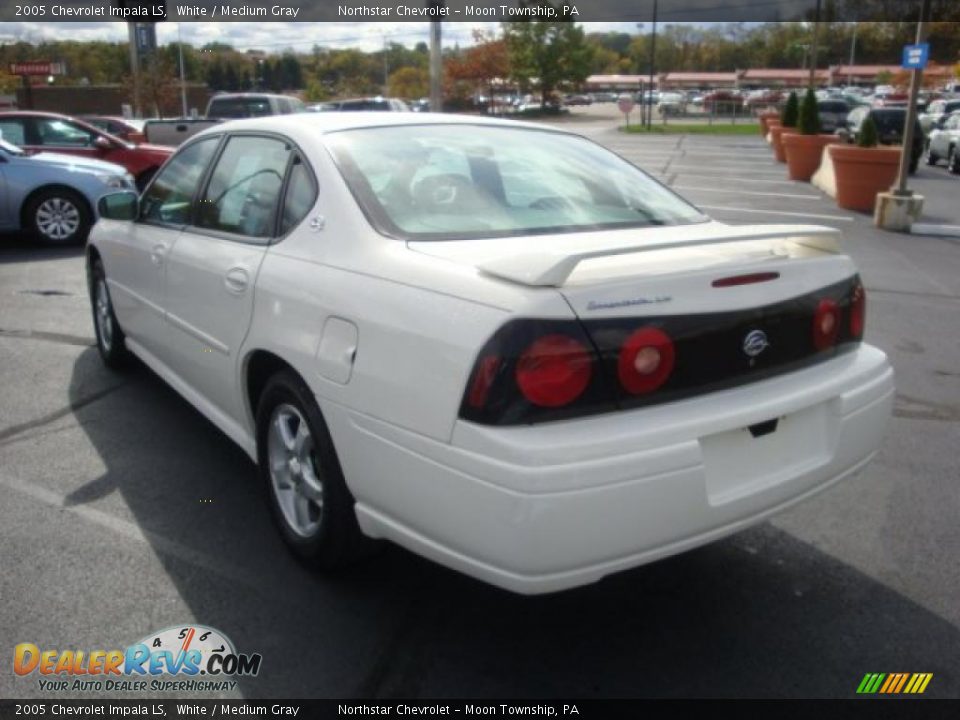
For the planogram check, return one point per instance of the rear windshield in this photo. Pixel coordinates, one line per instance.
(889, 120)
(451, 182)
(239, 107)
(375, 105)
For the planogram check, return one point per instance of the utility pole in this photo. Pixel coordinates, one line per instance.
(916, 79)
(813, 50)
(853, 51)
(183, 77)
(436, 56)
(134, 67)
(386, 71)
(653, 60)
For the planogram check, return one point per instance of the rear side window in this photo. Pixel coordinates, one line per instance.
(244, 188)
(169, 197)
(301, 194)
(11, 131)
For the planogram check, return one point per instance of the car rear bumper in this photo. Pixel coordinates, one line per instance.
(547, 507)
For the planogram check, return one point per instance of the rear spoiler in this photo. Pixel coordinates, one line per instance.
(551, 266)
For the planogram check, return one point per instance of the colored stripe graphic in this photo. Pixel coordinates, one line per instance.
(894, 683)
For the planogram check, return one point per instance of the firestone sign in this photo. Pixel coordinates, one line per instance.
(37, 67)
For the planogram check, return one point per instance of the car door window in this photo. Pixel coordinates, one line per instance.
(168, 199)
(11, 131)
(60, 133)
(300, 197)
(244, 188)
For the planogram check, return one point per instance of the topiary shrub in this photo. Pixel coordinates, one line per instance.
(868, 133)
(809, 120)
(790, 111)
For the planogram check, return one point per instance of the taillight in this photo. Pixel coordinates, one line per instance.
(826, 324)
(645, 361)
(858, 311)
(554, 371)
(482, 380)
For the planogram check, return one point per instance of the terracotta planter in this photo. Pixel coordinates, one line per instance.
(862, 173)
(771, 124)
(777, 133)
(804, 152)
(764, 119)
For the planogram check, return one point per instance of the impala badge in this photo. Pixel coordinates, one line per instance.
(755, 343)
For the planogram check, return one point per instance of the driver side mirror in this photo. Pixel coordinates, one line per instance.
(102, 143)
(119, 206)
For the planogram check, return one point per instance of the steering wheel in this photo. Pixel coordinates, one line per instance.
(442, 191)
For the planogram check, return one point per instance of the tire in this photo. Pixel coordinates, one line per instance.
(111, 342)
(929, 156)
(308, 497)
(58, 216)
(953, 161)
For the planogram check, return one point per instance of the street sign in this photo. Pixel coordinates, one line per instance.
(625, 103)
(915, 56)
(36, 67)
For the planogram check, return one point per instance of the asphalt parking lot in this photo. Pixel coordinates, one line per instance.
(123, 511)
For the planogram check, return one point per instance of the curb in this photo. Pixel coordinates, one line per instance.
(940, 230)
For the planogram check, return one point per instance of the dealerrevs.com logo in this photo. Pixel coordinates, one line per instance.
(185, 658)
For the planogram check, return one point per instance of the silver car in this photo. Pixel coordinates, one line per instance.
(944, 143)
(54, 196)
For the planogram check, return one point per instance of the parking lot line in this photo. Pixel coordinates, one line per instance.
(775, 212)
(771, 172)
(792, 183)
(791, 196)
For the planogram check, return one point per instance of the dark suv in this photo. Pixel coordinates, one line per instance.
(890, 123)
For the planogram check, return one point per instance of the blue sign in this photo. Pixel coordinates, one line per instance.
(915, 56)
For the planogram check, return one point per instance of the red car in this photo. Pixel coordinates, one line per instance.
(49, 132)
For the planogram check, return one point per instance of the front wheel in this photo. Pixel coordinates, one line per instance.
(59, 217)
(110, 338)
(308, 496)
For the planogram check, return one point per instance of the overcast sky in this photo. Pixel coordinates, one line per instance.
(272, 36)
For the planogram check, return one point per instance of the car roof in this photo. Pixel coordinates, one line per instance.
(325, 123)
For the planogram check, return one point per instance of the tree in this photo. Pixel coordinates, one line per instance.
(215, 75)
(884, 77)
(550, 52)
(409, 82)
(790, 111)
(809, 121)
(481, 64)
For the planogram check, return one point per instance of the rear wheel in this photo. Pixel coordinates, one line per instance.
(58, 217)
(953, 161)
(308, 496)
(929, 156)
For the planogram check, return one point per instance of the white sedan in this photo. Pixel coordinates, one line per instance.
(496, 344)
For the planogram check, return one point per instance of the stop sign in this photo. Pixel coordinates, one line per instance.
(625, 103)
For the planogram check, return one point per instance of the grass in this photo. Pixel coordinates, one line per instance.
(677, 128)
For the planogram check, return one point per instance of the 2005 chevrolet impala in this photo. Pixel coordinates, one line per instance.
(498, 345)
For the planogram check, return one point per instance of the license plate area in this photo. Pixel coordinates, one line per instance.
(746, 460)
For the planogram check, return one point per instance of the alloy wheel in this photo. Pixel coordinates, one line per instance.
(295, 479)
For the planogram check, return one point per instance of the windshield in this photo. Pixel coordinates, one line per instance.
(451, 182)
(242, 107)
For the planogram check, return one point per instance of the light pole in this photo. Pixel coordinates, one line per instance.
(853, 50)
(813, 50)
(436, 66)
(916, 79)
(653, 60)
(183, 77)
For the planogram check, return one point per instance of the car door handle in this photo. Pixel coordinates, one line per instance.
(236, 280)
(157, 253)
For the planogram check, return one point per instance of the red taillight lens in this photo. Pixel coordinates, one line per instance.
(554, 371)
(858, 311)
(483, 380)
(826, 324)
(646, 360)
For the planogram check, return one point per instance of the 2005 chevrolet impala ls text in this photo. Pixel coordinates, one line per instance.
(496, 344)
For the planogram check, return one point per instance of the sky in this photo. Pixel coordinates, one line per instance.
(272, 36)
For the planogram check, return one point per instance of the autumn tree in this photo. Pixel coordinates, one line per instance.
(552, 52)
(481, 64)
(409, 82)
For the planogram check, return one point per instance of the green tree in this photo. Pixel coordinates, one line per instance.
(868, 133)
(409, 82)
(552, 51)
(809, 120)
(788, 118)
